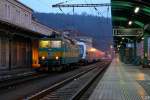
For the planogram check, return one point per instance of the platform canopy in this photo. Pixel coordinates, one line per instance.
(131, 14)
(137, 11)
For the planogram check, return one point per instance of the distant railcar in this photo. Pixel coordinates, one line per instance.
(83, 53)
(58, 52)
(94, 55)
(89, 54)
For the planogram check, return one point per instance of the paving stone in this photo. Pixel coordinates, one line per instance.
(121, 82)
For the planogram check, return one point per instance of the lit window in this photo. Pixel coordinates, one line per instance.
(55, 44)
(50, 44)
(44, 44)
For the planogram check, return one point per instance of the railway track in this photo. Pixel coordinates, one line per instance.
(73, 87)
(19, 79)
(14, 81)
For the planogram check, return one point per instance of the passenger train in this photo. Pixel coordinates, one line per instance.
(89, 54)
(58, 52)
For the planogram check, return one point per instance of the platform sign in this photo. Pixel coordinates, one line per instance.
(127, 32)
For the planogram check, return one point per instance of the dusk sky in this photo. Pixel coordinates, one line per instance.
(46, 6)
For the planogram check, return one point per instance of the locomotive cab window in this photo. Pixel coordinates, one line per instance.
(44, 44)
(50, 44)
(56, 44)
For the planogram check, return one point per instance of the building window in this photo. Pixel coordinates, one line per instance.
(5, 10)
(18, 16)
(8, 11)
(26, 18)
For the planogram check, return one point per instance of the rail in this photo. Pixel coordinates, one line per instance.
(45, 92)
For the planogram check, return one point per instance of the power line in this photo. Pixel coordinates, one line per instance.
(82, 5)
(61, 10)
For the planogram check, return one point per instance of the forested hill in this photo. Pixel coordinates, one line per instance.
(99, 28)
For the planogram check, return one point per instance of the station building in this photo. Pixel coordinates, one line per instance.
(19, 34)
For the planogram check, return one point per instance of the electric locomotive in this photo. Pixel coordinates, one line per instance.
(57, 52)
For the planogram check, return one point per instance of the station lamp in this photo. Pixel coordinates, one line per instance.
(111, 46)
(92, 49)
(123, 38)
(130, 22)
(142, 38)
(119, 46)
(136, 10)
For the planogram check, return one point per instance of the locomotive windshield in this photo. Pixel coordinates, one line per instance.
(55, 44)
(50, 44)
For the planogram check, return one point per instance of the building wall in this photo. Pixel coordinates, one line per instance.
(4, 53)
(16, 13)
(36, 26)
(18, 50)
(21, 53)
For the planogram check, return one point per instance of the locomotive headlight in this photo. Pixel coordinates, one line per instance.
(57, 57)
(43, 57)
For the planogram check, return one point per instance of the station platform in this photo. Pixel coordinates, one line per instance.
(13, 73)
(123, 82)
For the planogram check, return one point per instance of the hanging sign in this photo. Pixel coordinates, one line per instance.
(127, 32)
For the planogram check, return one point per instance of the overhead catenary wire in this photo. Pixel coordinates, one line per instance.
(90, 7)
(61, 10)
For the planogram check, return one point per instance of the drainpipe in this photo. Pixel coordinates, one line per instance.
(10, 55)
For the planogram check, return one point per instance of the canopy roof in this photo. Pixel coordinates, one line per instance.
(123, 12)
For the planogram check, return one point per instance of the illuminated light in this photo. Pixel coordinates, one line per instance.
(130, 23)
(57, 57)
(142, 38)
(119, 46)
(111, 47)
(43, 58)
(136, 9)
(140, 76)
(92, 49)
(44, 44)
(123, 38)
